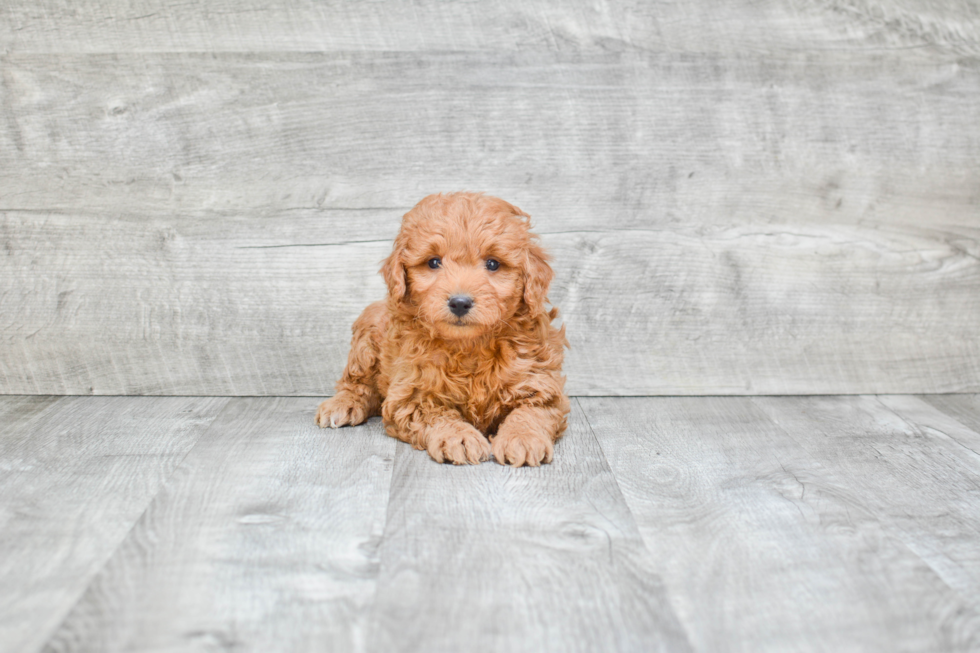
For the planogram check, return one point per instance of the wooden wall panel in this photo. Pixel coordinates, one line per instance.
(630, 139)
(786, 201)
(231, 306)
(416, 25)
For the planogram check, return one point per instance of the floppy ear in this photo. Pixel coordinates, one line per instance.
(393, 271)
(537, 277)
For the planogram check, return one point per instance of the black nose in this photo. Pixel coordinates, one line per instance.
(460, 305)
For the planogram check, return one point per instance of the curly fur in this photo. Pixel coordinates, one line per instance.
(460, 387)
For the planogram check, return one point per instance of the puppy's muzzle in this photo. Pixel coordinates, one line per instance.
(460, 305)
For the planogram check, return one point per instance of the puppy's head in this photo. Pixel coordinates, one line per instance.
(465, 263)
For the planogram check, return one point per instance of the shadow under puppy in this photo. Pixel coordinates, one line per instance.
(461, 359)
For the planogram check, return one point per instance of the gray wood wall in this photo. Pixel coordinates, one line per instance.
(741, 197)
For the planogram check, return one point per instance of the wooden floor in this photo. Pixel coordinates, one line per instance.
(702, 524)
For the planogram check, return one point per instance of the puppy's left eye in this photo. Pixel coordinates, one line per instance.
(493, 264)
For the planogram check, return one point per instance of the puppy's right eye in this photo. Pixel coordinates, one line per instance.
(435, 263)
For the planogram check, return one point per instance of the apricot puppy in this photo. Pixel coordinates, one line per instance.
(461, 359)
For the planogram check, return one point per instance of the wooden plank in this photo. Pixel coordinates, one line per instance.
(180, 306)
(239, 306)
(492, 558)
(634, 139)
(18, 411)
(963, 408)
(944, 529)
(266, 537)
(898, 457)
(765, 544)
(952, 417)
(252, 25)
(75, 475)
(769, 309)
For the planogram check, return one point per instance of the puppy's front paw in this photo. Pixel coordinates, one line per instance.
(340, 410)
(459, 444)
(514, 447)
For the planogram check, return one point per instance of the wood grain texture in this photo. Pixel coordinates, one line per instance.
(491, 558)
(183, 306)
(963, 408)
(18, 411)
(705, 524)
(75, 475)
(266, 537)
(764, 198)
(582, 139)
(251, 25)
(238, 307)
(765, 543)
(900, 461)
(945, 532)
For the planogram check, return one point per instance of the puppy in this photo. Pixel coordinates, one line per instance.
(461, 359)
